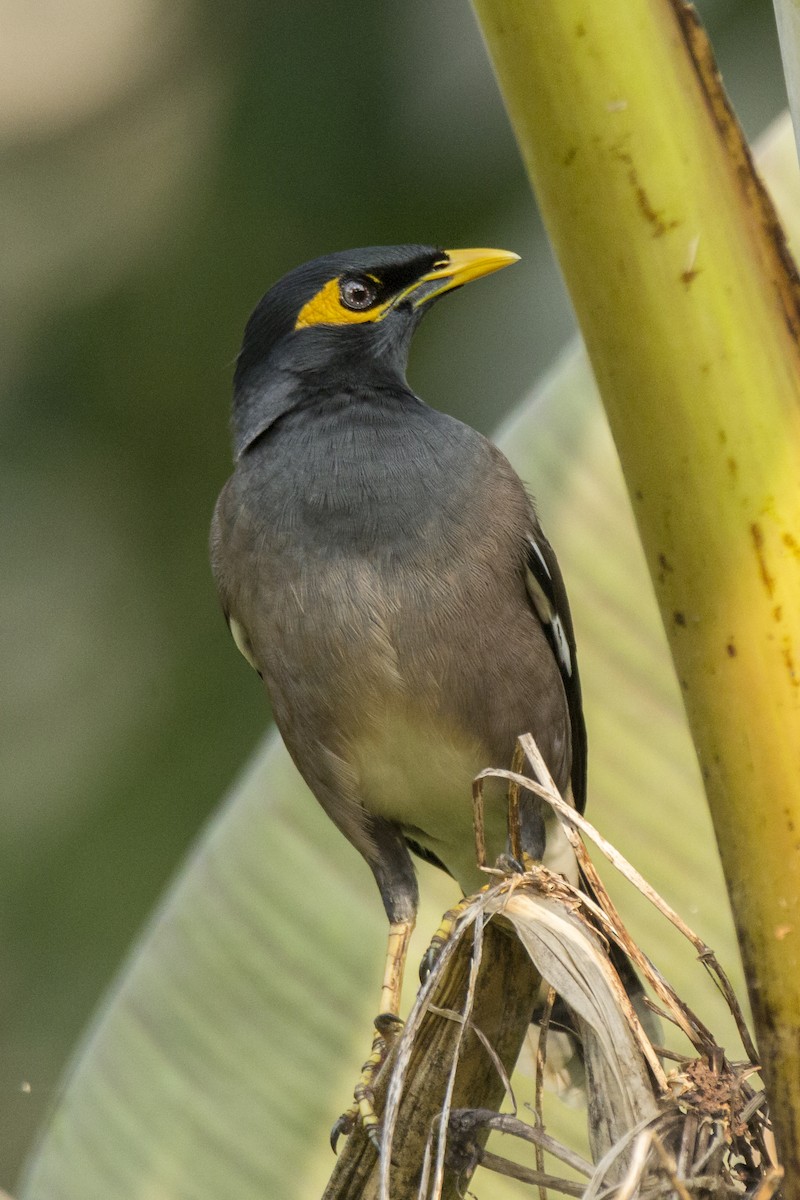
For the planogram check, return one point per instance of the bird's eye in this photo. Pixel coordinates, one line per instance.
(357, 293)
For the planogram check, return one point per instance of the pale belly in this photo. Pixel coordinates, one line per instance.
(420, 775)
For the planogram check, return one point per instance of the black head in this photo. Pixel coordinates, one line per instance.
(357, 302)
(339, 320)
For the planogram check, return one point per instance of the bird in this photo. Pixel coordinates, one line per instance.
(382, 567)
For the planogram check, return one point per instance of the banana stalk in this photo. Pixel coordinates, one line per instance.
(689, 305)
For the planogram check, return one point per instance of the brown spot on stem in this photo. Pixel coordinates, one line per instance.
(664, 562)
(658, 224)
(757, 535)
(679, 618)
(731, 649)
(570, 156)
(656, 220)
(689, 275)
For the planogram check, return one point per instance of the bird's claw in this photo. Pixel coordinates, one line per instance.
(388, 1027)
(442, 936)
(428, 961)
(510, 865)
(343, 1126)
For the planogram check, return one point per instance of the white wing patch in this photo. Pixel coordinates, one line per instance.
(535, 548)
(546, 611)
(242, 641)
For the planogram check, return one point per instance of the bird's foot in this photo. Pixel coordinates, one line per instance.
(442, 935)
(509, 865)
(388, 1027)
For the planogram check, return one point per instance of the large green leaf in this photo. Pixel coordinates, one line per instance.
(209, 1070)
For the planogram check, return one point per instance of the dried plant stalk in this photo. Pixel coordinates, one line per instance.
(501, 1011)
(702, 1130)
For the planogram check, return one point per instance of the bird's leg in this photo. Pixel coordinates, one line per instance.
(396, 953)
(514, 861)
(388, 1025)
(525, 821)
(443, 934)
(507, 864)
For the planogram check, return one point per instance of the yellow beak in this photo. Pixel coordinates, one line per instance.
(458, 267)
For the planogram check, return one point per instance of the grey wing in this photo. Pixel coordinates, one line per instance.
(548, 595)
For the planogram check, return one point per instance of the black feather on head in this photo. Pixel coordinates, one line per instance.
(275, 316)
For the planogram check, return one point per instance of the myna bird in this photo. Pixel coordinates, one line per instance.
(382, 567)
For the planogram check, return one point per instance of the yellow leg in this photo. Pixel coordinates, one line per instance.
(443, 933)
(387, 1027)
(396, 954)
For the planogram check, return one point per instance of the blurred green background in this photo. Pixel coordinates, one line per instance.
(162, 164)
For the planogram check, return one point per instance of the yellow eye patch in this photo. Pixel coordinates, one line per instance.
(326, 308)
